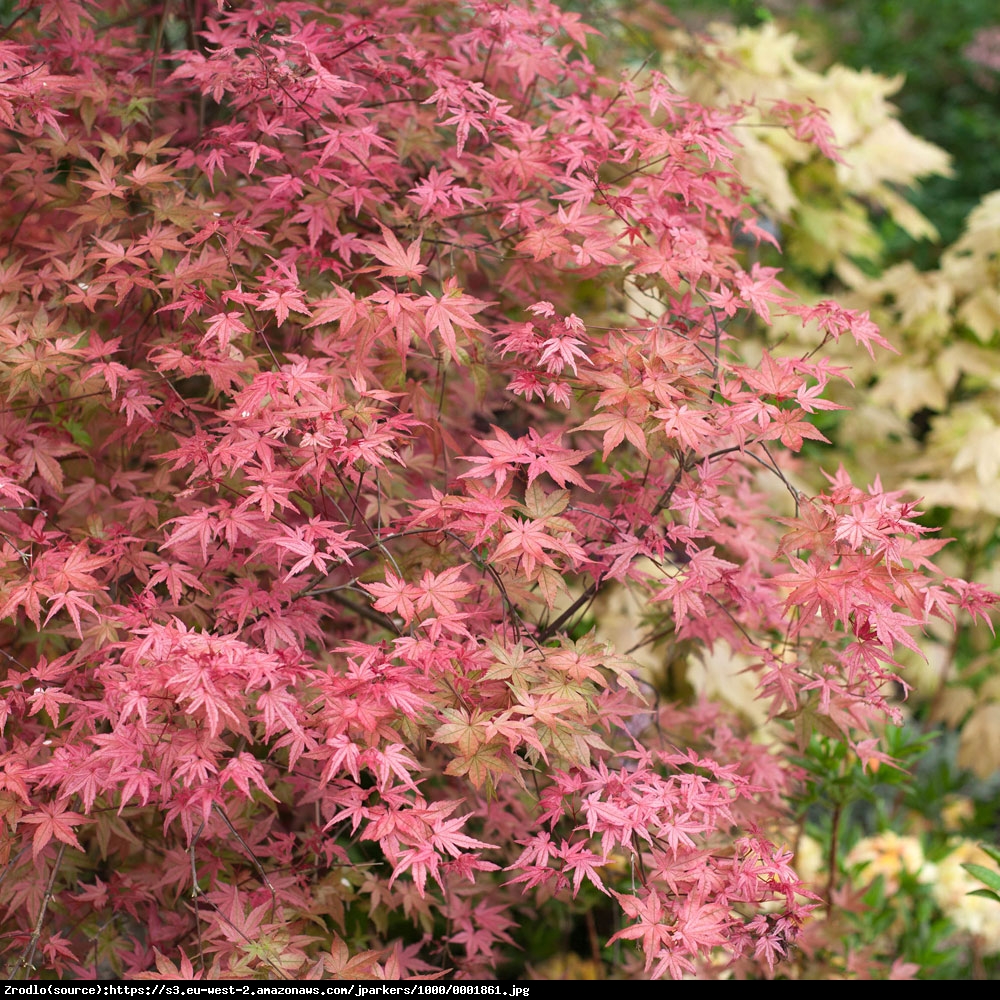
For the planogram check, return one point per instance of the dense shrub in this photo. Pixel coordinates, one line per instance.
(323, 396)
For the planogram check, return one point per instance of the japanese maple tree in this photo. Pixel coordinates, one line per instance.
(348, 352)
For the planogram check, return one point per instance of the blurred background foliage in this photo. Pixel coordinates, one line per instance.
(906, 227)
(949, 97)
(951, 72)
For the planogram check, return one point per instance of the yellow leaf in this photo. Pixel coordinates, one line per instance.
(981, 313)
(979, 748)
(910, 386)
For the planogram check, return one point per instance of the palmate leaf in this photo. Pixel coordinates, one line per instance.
(487, 765)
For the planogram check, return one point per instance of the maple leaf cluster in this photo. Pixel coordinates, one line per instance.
(313, 452)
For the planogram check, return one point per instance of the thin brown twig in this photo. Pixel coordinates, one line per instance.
(27, 957)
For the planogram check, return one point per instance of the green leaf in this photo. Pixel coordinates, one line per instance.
(538, 505)
(985, 875)
(988, 893)
(993, 852)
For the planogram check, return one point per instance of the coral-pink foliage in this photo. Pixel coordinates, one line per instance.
(325, 416)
